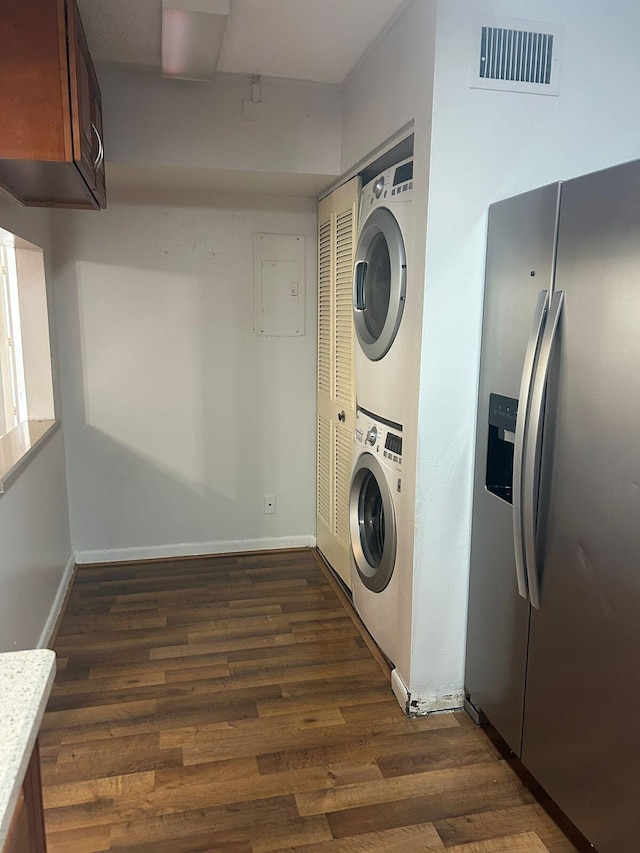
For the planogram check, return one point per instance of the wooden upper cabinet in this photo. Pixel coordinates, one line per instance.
(51, 140)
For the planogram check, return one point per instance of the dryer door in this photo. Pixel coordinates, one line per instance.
(373, 524)
(379, 283)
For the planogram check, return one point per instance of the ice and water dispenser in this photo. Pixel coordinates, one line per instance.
(502, 435)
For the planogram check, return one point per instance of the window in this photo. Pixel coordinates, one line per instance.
(13, 391)
(26, 386)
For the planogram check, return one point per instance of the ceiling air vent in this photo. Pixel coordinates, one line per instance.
(517, 56)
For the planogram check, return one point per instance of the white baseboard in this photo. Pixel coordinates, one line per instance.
(400, 691)
(192, 549)
(58, 601)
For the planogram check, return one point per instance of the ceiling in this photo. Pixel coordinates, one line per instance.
(317, 40)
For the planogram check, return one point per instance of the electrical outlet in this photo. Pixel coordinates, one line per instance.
(269, 504)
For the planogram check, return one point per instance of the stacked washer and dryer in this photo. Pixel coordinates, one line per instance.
(387, 310)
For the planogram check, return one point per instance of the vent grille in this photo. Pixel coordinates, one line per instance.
(516, 55)
(342, 438)
(343, 308)
(324, 308)
(324, 471)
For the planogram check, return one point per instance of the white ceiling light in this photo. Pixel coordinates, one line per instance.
(192, 33)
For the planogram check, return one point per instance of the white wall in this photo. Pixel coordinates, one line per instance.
(486, 146)
(155, 121)
(34, 548)
(178, 420)
(391, 85)
(34, 520)
(473, 147)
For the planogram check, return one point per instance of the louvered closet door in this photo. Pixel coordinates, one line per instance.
(337, 222)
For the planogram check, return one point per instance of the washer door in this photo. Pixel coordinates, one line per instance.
(373, 524)
(379, 283)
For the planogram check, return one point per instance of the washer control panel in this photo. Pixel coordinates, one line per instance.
(394, 184)
(383, 440)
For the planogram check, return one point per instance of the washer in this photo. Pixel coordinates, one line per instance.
(375, 502)
(385, 312)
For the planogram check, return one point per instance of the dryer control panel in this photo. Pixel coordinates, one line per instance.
(381, 438)
(394, 184)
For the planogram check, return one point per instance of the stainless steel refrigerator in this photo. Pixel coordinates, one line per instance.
(553, 644)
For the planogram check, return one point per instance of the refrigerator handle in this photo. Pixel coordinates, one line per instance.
(521, 421)
(534, 446)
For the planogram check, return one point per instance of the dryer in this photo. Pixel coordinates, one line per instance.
(375, 507)
(385, 306)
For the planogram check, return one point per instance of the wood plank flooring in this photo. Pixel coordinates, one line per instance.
(230, 704)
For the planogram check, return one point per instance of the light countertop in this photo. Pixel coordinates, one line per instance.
(26, 679)
(19, 445)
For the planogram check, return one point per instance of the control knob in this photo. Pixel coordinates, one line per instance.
(378, 186)
(372, 435)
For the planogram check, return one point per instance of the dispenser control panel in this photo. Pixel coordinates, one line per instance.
(503, 412)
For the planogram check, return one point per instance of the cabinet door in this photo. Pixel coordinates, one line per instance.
(33, 94)
(18, 836)
(100, 190)
(337, 222)
(81, 76)
(26, 833)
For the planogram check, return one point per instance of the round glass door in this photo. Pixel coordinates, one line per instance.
(371, 520)
(379, 284)
(372, 523)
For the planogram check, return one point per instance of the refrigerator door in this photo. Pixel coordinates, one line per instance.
(581, 735)
(520, 255)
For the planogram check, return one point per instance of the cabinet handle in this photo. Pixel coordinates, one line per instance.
(342, 417)
(98, 161)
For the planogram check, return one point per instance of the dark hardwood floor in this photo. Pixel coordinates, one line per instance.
(231, 704)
